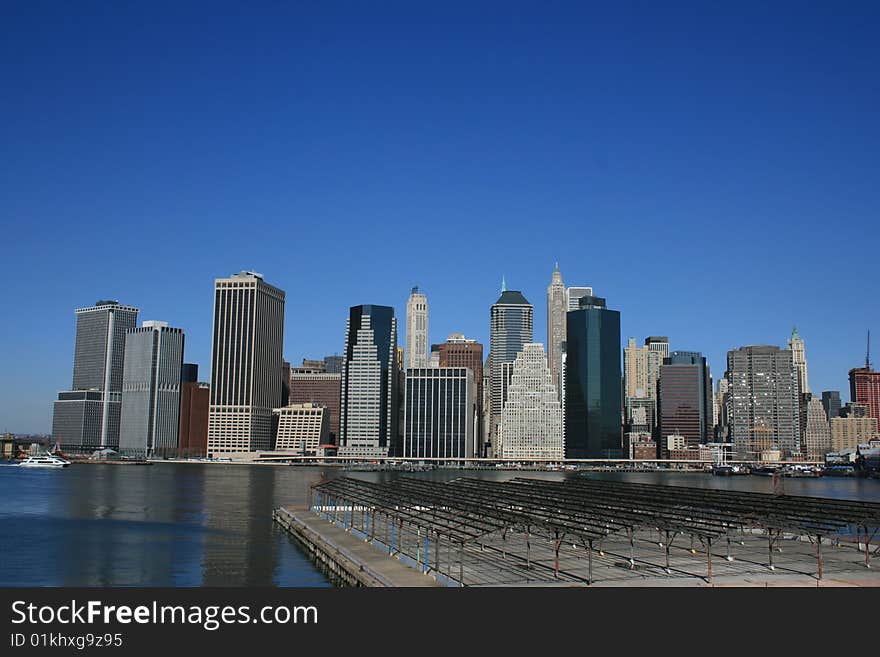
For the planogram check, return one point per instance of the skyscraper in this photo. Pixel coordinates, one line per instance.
(831, 403)
(195, 398)
(333, 364)
(817, 435)
(151, 390)
(557, 307)
(439, 413)
(799, 359)
(763, 404)
(592, 382)
(685, 398)
(459, 351)
(87, 416)
(511, 328)
(370, 380)
(531, 420)
(864, 386)
(246, 363)
(574, 294)
(416, 353)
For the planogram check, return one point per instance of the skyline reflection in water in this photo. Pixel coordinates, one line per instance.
(211, 525)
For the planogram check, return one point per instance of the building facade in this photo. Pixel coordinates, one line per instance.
(511, 328)
(459, 351)
(864, 389)
(817, 433)
(799, 360)
(574, 294)
(531, 420)
(763, 404)
(87, 417)
(416, 352)
(439, 413)
(151, 380)
(246, 363)
(831, 403)
(557, 308)
(195, 399)
(852, 431)
(322, 388)
(685, 398)
(593, 404)
(301, 428)
(370, 380)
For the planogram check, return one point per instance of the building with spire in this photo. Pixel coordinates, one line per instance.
(416, 352)
(511, 328)
(531, 421)
(557, 307)
(799, 360)
(864, 385)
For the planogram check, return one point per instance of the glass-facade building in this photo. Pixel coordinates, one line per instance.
(593, 396)
(370, 379)
(439, 413)
(685, 398)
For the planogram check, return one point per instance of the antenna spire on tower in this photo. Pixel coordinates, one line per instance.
(868, 352)
(503, 284)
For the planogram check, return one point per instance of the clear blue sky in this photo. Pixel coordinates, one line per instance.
(710, 168)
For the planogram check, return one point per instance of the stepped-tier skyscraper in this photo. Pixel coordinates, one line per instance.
(151, 390)
(246, 363)
(531, 421)
(799, 359)
(86, 417)
(592, 382)
(370, 380)
(511, 328)
(416, 353)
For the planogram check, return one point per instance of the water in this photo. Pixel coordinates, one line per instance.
(194, 525)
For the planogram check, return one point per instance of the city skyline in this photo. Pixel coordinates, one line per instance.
(674, 158)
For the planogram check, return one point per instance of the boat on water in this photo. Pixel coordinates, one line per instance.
(763, 471)
(723, 470)
(43, 461)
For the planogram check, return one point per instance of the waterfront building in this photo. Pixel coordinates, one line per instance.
(370, 382)
(763, 406)
(439, 413)
(817, 433)
(87, 416)
(316, 386)
(246, 362)
(511, 328)
(531, 420)
(459, 351)
(720, 409)
(593, 402)
(302, 428)
(416, 353)
(799, 360)
(864, 389)
(151, 379)
(192, 438)
(557, 308)
(850, 431)
(831, 403)
(685, 397)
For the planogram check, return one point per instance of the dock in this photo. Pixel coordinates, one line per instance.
(346, 554)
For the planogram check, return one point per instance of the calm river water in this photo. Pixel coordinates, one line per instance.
(194, 525)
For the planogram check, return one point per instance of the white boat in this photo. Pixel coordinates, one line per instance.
(44, 461)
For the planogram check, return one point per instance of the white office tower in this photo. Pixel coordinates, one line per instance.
(416, 330)
(531, 421)
(817, 434)
(246, 363)
(302, 428)
(556, 312)
(573, 296)
(151, 390)
(799, 360)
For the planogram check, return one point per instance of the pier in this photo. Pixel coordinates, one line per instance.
(533, 532)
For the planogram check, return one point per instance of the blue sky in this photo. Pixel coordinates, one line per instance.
(710, 168)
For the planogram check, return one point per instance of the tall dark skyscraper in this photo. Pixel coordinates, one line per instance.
(511, 328)
(87, 416)
(370, 380)
(831, 403)
(685, 398)
(593, 395)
